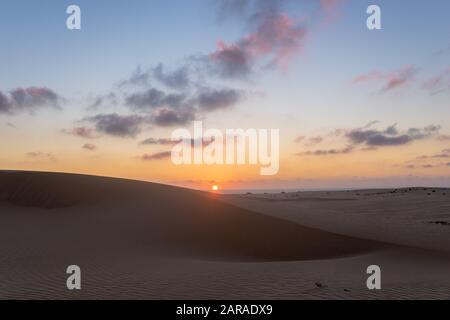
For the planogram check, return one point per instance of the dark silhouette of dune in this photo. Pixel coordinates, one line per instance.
(164, 219)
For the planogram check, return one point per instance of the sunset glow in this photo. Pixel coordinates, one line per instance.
(380, 122)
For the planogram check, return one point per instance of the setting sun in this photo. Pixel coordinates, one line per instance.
(215, 188)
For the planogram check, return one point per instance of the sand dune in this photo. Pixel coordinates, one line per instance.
(166, 219)
(142, 240)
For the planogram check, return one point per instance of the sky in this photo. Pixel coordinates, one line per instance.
(355, 107)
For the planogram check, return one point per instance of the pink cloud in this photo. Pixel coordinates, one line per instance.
(373, 75)
(438, 83)
(392, 80)
(277, 39)
(331, 9)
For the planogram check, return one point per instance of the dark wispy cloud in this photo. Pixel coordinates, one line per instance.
(327, 152)
(367, 138)
(82, 132)
(28, 100)
(175, 79)
(117, 125)
(168, 142)
(38, 155)
(211, 99)
(90, 147)
(444, 154)
(429, 161)
(107, 100)
(442, 51)
(390, 136)
(156, 156)
(166, 117)
(315, 140)
(419, 166)
(159, 141)
(139, 77)
(155, 98)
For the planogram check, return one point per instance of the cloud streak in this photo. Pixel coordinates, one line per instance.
(390, 136)
(127, 126)
(90, 147)
(390, 80)
(438, 83)
(28, 100)
(156, 156)
(367, 138)
(82, 132)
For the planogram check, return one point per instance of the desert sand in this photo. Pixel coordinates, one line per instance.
(140, 240)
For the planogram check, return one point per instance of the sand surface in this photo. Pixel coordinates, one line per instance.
(141, 240)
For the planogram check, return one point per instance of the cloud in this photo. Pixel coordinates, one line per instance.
(248, 10)
(326, 152)
(299, 139)
(443, 137)
(28, 99)
(156, 156)
(314, 140)
(441, 155)
(175, 79)
(168, 142)
(210, 100)
(400, 78)
(438, 83)
(274, 39)
(139, 77)
(102, 100)
(368, 139)
(444, 154)
(166, 117)
(331, 9)
(390, 136)
(5, 105)
(160, 141)
(40, 155)
(442, 51)
(117, 125)
(82, 132)
(390, 80)
(89, 147)
(155, 98)
(415, 166)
